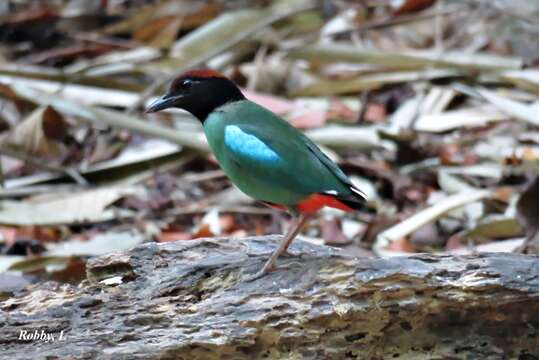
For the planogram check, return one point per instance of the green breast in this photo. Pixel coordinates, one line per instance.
(254, 179)
(265, 157)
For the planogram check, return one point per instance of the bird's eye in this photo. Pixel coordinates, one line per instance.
(186, 84)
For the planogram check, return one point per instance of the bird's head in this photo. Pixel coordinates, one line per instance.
(198, 92)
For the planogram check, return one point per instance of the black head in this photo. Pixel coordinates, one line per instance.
(199, 92)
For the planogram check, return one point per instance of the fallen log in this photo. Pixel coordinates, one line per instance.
(188, 300)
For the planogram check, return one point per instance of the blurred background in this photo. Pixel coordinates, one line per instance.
(430, 106)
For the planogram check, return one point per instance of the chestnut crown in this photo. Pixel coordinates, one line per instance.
(198, 92)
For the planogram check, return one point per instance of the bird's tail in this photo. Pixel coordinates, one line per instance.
(355, 200)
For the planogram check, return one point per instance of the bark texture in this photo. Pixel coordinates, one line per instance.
(187, 300)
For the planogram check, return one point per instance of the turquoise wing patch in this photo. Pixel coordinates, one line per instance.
(248, 146)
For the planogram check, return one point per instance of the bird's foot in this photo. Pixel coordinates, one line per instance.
(266, 269)
(260, 274)
(291, 254)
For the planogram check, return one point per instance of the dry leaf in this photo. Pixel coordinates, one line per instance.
(169, 236)
(527, 214)
(38, 134)
(375, 113)
(66, 208)
(407, 6)
(274, 103)
(402, 245)
(167, 36)
(203, 231)
(332, 233)
(428, 215)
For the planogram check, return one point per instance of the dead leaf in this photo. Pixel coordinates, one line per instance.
(375, 113)
(113, 118)
(38, 263)
(402, 245)
(66, 54)
(203, 231)
(347, 137)
(74, 272)
(457, 119)
(141, 18)
(5, 91)
(167, 36)
(338, 109)
(324, 52)
(54, 126)
(307, 118)
(496, 246)
(503, 194)
(213, 35)
(38, 134)
(494, 227)
(28, 16)
(332, 233)
(227, 222)
(324, 86)
(430, 214)
(453, 243)
(274, 103)
(63, 208)
(8, 234)
(169, 236)
(427, 235)
(407, 6)
(516, 109)
(153, 28)
(527, 214)
(96, 245)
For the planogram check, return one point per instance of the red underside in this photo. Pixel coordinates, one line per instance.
(315, 202)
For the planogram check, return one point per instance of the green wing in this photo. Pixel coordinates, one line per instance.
(269, 159)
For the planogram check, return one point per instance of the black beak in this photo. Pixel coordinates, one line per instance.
(164, 102)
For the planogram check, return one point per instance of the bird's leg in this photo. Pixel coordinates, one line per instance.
(292, 232)
(298, 224)
(293, 223)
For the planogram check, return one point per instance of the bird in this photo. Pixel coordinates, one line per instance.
(262, 154)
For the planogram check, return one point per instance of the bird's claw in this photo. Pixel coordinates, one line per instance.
(292, 254)
(256, 276)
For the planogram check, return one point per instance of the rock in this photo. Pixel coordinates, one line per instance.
(189, 300)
